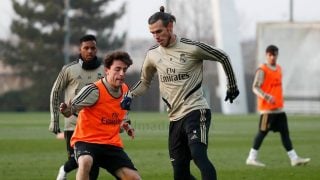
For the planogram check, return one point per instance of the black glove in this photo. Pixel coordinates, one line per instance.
(126, 101)
(232, 94)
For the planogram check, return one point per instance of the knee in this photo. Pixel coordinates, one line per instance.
(199, 152)
(128, 174)
(135, 177)
(85, 162)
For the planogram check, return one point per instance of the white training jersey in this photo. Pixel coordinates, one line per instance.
(180, 72)
(70, 80)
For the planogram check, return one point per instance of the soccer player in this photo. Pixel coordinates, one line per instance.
(96, 138)
(72, 77)
(179, 64)
(267, 86)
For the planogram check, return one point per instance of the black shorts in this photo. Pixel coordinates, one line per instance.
(192, 128)
(108, 157)
(276, 122)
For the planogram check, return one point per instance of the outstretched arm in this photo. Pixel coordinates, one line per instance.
(139, 88)
(87, 96)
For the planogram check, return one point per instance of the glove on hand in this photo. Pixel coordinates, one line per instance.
(232, 94)
(126, 101)
(54, 127)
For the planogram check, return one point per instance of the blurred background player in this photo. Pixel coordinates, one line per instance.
(72, 77)
(96, 139)
(179, 64)
(267, 86)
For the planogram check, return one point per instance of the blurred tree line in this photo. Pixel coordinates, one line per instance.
(36, 48)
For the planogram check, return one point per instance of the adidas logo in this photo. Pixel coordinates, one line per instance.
(194, 137)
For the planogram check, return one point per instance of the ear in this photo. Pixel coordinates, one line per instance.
(170, 27)
(106, 70)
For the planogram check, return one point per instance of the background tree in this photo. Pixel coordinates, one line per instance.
(36, 47)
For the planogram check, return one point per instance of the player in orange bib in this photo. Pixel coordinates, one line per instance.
(267, 86)
(96, 138)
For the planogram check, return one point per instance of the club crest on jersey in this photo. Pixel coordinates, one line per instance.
(183, 58)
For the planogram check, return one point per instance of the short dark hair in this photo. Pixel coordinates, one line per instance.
(272, 49)
(161, 15)
(88, 37)
(117, 55)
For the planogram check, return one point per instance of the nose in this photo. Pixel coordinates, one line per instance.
(122, 73)
(156, 36)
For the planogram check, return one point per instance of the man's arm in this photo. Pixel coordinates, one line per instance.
(55, 96)
(207, 52)
(126, 126)
(256, 86)
(87, 96)
(147, 72)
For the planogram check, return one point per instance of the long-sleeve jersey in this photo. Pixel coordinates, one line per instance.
(101, 116)
(89, 95)
(180, 72)
(70, 80)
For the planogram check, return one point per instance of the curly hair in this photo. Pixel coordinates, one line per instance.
(117, 55)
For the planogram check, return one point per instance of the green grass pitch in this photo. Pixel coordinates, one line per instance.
(29, 151)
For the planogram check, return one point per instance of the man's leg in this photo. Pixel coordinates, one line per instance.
(197, 127)
(282, 125)
(94, 172)
(71, 164)
(179, 151)
(200, 158)
(127, 173)
(287, 144)
(85, 163)
(261, 134)
(181, 170)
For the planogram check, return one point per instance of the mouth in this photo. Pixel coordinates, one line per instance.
(121, 80)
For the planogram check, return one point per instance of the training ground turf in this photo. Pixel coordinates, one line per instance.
(29, 151)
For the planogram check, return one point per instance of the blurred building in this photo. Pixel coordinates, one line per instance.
(10, 81)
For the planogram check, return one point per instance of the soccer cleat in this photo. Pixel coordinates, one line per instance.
(300, 161)
(254, 162)
(62, 175)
